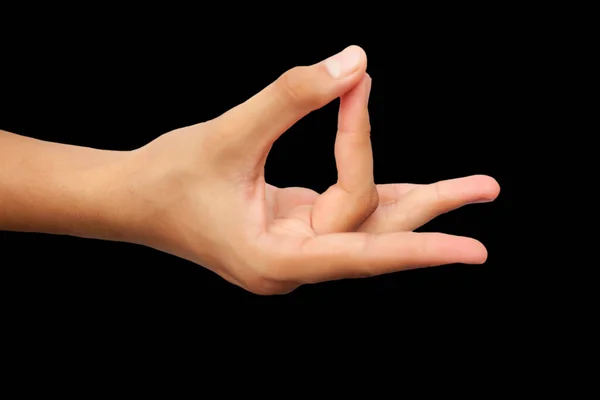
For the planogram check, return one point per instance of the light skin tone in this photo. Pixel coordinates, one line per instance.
(199, 193)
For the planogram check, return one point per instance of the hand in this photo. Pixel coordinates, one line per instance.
(201, 194)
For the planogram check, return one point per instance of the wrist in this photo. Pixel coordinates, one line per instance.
(117, 205)
(102, 188)
(84, 194)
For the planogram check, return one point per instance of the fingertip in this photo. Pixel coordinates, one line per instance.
(347, 65)
(492, 186)
(496, 187)
(357, 96)
(361, 54)
(353, 115)
(478, 253)
(488, 186)
(481, 255)
(466, 250)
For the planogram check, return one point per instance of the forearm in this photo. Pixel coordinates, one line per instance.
(61, 189)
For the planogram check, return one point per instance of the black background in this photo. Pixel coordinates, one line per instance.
(444, 104)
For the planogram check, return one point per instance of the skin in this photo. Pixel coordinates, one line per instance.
(199, 193)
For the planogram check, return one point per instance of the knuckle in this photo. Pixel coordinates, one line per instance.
(369, 200)
(296, 90)
(361, 204)
(373, 201)
(441, 195)
(366, 269)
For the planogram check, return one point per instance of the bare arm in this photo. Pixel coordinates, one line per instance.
(58, 188)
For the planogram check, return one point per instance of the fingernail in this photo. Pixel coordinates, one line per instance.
(343, 63)
(369, 85)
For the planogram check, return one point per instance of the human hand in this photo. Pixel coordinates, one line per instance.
(200, 194)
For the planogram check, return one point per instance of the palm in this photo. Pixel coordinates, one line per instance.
(290, 209)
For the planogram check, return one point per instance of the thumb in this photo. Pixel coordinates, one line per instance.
(255, 124)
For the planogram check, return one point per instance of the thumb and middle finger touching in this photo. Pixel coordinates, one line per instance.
(345, 205)
(251, 128)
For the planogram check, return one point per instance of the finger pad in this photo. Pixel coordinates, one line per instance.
(487, 186)
(472, 251)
